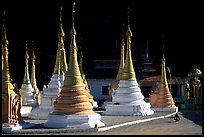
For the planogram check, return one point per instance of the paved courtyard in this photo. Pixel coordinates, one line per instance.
(157, 124)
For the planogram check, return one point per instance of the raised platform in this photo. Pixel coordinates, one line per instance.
(74, 121)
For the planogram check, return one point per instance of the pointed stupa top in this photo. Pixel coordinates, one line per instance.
(121, 56)
(73, 75)
(6, 78)
(33, 78)
(61, 32)
(61, 63)
(26, 78)
(164, 82)
(128, 71)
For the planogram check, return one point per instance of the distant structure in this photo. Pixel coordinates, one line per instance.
(27, 91)
(127, 98)
(11, 104)
(37, 94)
(94, 103)
(72, 107)
(147, 70)
(114, 84)
(54, 87)
(161, 99)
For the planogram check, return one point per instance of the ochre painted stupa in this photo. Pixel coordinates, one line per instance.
(127, 98)
(72, 108)
(161, 99)
(11, 101)
(50, 93)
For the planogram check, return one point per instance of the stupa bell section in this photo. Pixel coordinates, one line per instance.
(161, 99)
(72, 108)
(50, 93)
(26, 90)
(127, 98)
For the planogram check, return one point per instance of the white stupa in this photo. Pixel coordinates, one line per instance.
(57, 80)
(27, 91)
(127, 99)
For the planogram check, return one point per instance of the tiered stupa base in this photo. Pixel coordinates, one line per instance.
(74, 121)
(47, 99)
(128, 110)
(46, 107)
(127, 99)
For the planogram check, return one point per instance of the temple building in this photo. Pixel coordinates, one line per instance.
(127, 98)
(161, 99)
(72, 107)
(11, 101)
(147, 70)
(50, 93)
(94, 103)
(26, 90)
(114, 84)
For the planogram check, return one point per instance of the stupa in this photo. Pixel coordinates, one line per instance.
(37, 94)
(114, 84)
(27, 91)
(72, 108)
(54, 87)
(10, 100)
(94, 103)
(161, 99)
(127, 98)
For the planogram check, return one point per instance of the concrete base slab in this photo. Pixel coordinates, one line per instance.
(165, 109)
(6, 127)
(74, 121)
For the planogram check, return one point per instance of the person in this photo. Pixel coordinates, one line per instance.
(176, 117)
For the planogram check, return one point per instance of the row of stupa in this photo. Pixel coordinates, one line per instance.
(72, 103)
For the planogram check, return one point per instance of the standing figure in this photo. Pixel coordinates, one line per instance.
(186, 93)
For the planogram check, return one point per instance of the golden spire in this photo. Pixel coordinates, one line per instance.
(33, 79)
(73, 75)
(83, 76)
(121, 56)
(128, 71)
(61, 64)
(26, 78)
(164, 82)
(61, 33)
(6, 79)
